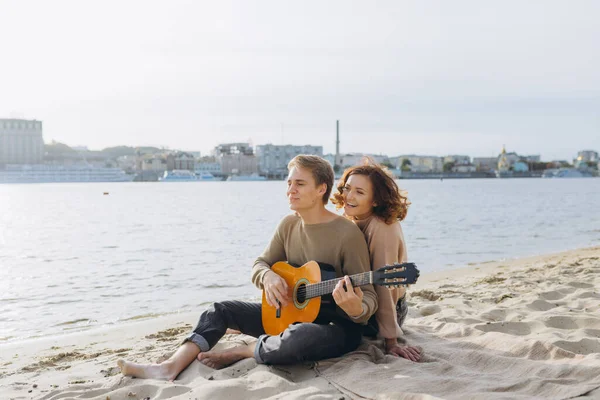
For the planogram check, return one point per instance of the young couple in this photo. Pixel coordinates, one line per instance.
(371, 202)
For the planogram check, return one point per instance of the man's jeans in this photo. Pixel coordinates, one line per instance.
(325, 338)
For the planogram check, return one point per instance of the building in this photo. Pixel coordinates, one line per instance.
(352, 159)
(208, 164)
(485, 164)
(152, 162)
(330, 158)
(520, 166)
(464, 168)
(532, 158)
(419, 163)
(236, 158)
(586, 158)
(273, 159)
(457, 160)
(126, 163)
(21, 141)
(504, 163)
(180, 161)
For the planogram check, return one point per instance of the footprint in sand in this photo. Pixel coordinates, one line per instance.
(553, 295)
(464, 321)
(559, 322)
(583, 346)
(580, 285)
(429, 310)
(495, 314)
(587, 295)
(541, 305)
(512, 328)
(592, 332)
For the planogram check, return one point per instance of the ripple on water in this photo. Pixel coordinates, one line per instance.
(218, 286)
(75, 321)
(11, 300)
(62, 302)
(141, 316)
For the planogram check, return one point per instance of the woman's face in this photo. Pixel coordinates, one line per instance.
(358, 197)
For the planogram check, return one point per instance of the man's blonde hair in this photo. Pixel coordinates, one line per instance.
(320, 168)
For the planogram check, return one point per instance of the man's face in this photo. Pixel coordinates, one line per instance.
(302, 191)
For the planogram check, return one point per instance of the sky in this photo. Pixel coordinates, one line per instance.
(403, 77)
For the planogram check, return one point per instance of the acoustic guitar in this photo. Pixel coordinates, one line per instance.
(311, 281)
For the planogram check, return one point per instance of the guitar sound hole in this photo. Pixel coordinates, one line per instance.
(301, 293)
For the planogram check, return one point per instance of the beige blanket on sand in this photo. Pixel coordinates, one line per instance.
(464, 363)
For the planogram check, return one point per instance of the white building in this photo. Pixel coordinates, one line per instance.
(420, 163)
(352, 159)
(587, 156)
(457, 160)
(485, 163)
(208, 167)
(273, 159)
(236, 158)
(21, 141)
(464, 168)
(155, 163)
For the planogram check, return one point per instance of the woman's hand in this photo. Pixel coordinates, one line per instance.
(348, 298)
(276, 290)
(409, 352)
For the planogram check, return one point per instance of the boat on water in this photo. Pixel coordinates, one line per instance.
(246, 178)
(503, 174)
(179, 175)
(566, 173)
(14, 173)
(205, 176)
(184, 175)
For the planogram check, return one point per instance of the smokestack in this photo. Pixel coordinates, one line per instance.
(337, 143)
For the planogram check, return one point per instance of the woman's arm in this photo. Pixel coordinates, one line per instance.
(387, 247)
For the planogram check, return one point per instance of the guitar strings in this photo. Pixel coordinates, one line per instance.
(325, 287)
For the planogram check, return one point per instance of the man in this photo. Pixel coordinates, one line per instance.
(312, 233)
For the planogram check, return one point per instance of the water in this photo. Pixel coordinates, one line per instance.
(72, 258)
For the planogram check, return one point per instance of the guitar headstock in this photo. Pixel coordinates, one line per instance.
(396, 275)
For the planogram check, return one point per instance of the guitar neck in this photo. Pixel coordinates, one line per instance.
(326, 287)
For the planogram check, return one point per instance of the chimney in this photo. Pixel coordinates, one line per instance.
(337, 143)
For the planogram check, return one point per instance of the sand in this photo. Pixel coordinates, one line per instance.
(525, 328)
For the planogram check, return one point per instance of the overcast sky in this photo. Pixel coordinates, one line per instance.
(423, 77)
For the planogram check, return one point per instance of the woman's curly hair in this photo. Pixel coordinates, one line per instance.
(392, 204)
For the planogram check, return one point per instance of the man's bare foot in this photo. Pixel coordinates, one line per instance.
(221, 359)
(147, 371)
(232, 332)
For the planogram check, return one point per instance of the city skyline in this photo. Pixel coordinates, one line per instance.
(402, 78)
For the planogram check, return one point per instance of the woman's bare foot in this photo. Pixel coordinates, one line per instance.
(147, 371)
(221, 359)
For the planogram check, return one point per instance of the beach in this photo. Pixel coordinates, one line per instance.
(524, 328)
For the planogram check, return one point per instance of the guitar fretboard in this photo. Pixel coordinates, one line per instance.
(326, 287)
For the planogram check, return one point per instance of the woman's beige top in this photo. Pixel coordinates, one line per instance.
(386, 246)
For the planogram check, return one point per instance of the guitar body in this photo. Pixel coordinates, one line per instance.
(299, 309)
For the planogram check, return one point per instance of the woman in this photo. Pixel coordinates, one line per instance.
(371, 198)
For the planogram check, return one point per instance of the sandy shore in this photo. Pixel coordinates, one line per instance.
(525, 328)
